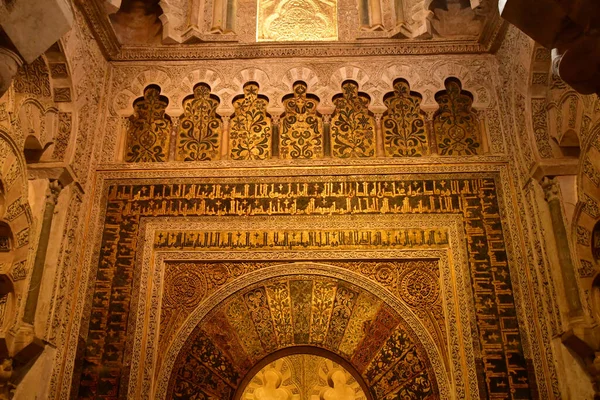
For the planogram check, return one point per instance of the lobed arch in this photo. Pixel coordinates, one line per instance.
(15, 217)
(303, 74)
(206, 76)
(347, 73)
(587, 211)
(303, 350)
(566, 119)
(310, 78)
(266, 89)
(122, 104)
(13, 177)
(302, 271)
(482, 93)
(395, 71)
(343, 74)
(39, 125)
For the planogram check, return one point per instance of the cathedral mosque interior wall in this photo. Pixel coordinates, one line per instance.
(400, 223)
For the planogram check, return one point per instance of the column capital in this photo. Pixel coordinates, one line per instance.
(551, 188)
(53, 191)
(9, 64)
(275, 118)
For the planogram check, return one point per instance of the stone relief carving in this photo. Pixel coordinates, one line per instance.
(456, 20)
(200, 128)
(149, 132)
(405, 131)
(297, 20)
(455, 125)
(250, 126)
(254, 318)
(33, 79)
(216, 20)
(352, 124)
(301, 133)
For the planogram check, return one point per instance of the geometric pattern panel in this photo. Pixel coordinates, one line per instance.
(149, 131)
(250, 130)
(504, 370)
(455, 124)
(199, 127)
(301, 126)
(352, 125)
(405, 131)
(314, 311)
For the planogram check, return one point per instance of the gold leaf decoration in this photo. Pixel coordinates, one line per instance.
(352, 125)
(149, 130)
(301, 127)
(250, 130)
(297, 20)
(404, 129)
(199, 127)
(455, 124)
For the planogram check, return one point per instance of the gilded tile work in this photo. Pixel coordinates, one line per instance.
(301, 133)
(149, 130)
(352, 125)
(296, 20)
(455, 124)
(475, 199)
(301, 239)
(416, 282)
(200, 127)
(389, 355)
(250, 129)
(405, 131)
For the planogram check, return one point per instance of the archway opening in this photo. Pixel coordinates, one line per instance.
(303, 372)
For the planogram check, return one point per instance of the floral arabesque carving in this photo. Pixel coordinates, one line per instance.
(33, 79)
(246, 327)
(149, 131)
(250, 129)
(200, 127)
(301, 127)
(352, 125)
(405, 131)
(455, 124)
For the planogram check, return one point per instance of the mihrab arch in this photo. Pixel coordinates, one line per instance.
(310, 305)
(303, 372)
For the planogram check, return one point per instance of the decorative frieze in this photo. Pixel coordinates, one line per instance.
(352, 124)
(405, 131)
(200, 128)
(250, 127)
(455, 124)
(149, 130)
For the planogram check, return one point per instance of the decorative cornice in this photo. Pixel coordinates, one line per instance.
(100, 26)
(114, 51)
(223, 51)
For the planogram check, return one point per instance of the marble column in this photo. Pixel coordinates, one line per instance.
(552, 195)
(275, 124)
(326, 135)
(379, 140)
(52, 193)
(225, 138)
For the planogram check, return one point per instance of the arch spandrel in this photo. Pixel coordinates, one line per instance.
(303, 304)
